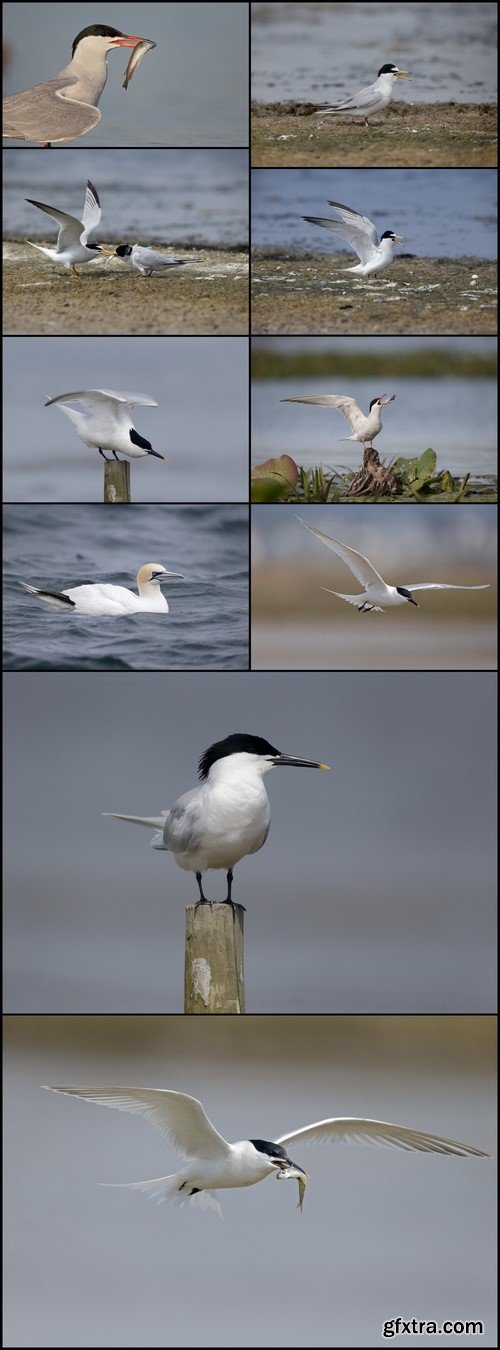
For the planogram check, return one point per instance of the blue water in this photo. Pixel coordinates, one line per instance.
(57, 547)
(152, 196)
(447, 213)
(192, 90)
(317, 51)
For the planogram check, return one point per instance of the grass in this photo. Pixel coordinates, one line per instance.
(425, 135)
(429, 363)
(281, 480)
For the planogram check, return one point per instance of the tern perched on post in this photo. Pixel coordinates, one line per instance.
(377, 595)
(360, 232)
(106, 422)
(374, 98)
(364, 428)
(64, 108)
(74, 235)
(212, 1164)
(147, 260)
(103, 598)
(228, 816)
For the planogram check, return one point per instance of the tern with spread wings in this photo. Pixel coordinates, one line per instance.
(364, 428)
(73, 241)
(105, 422)
(374, 254)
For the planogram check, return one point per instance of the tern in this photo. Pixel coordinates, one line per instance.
(65, 108)
(228, 816)
(146, 260)
(374, 98)
(73, 239)
(364, 428)
(103, 598)
(377, 595)
(213, 1164)
(360, 233)
(106, 422)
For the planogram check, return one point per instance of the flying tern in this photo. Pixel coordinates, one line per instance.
(360, 233)
(228, 816)
(374, 98)
(364, 428)
(102, 598)
(212, 1164)
(73, 239)
(106, 422)
(64, 108)
(147, 260)
(377, 595)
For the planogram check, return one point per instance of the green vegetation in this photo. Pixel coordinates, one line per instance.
(430, 363)
(281, 480)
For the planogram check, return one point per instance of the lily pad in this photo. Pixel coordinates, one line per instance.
(274, 478)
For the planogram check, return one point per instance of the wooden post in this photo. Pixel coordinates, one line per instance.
(213, 970)
(117, 480)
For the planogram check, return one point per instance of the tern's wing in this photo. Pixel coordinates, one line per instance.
(360, 567)
(91, 212)
(94, 399)
(183, 826)
(445, 586)
(70, 229)
(148, 257)
(46, 112)
(346, 405)
(358, 230)
(179, 1118)
(364, 101)
(347, 1130)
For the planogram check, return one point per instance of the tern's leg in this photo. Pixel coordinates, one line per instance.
(229, 900)
(73, 271)
(105, 457)
(116, 457)
(47, 145)
(203, 899)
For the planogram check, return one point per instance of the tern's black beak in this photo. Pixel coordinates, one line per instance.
(412, 601)
(300, 763)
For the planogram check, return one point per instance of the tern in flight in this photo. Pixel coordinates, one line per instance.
(147, 260)
(228, 816)
(377, 595)
(106, 423)
(73, 239)
(104, 598)
(212, 1164)
(374, 98)
(64, 108)
(364, 428)
(360, 233)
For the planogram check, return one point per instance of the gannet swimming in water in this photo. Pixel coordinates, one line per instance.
(377, 595)
(228, 816)
(73, 239)
(373, 98)
(103, 598)
(364, 428)
(147, 260)
(212, 1164)
(64, 108)
(360, 233)
(106, 422)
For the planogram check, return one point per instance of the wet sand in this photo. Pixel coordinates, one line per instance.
(448, 135)
(311, 293)
(210, 296)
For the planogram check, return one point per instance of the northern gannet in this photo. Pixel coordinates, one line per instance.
(103, 598)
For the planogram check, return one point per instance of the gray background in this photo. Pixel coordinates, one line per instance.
(373, 892)
(191, 91)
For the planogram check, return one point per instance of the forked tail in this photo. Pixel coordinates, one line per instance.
(175, 1189)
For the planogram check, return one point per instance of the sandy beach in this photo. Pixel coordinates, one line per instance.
(208, 297)
(427, 135)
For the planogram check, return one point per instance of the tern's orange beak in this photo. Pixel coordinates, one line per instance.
(127, 41)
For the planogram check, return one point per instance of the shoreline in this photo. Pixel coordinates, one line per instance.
(425, 135)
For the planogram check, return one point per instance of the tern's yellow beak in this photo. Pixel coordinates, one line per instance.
(107, 252)
(402, 74)
(324, 766)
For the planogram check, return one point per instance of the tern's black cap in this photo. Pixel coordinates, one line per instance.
(123, 250)
(96, 30)
(387, 70)
(271, 1150)
(237, 744)
(388, 234)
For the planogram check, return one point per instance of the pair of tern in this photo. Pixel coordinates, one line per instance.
(65, 108)
(377, 595)
(360, 232)
(211, 1164)
(102, 598)
(74, 243)
(373, 99)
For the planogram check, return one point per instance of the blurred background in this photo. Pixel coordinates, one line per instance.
(382, 1233)
(375, 891)
(442, 213)
(296, 624)
(320, 52)
(56, 547)
(445, 399)
(201, 422)
(191, 91)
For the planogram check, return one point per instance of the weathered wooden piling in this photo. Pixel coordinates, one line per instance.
(213, 969)
(117, 480)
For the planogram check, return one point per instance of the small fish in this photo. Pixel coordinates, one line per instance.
(135, 57)
(288, 1173)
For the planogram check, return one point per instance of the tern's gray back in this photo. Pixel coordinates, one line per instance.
(183, 830)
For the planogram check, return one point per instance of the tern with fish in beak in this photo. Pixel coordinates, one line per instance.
(65, 108)
(211, 1164)
(228, 816)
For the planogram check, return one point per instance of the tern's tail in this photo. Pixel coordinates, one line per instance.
(175, 1189)
(357, 600)
(151, 822)
(38, 246)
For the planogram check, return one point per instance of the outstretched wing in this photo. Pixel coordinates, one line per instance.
(89, 398)
(346, 405)
(360, 567)
(91, 212)
(70, 229)
(445, 586)
(349, 1130)
(358, 230)
(179, 1118)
